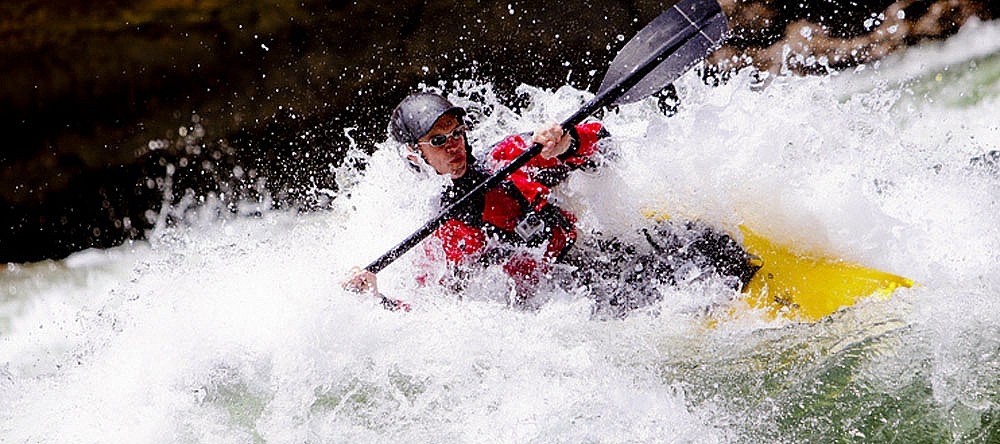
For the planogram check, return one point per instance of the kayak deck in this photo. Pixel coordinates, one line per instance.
(807, 288)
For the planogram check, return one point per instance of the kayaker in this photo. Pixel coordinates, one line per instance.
(515, 225)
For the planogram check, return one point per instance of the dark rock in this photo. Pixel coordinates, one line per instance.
(817, 37)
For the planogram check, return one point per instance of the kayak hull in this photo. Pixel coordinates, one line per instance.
(808, 288)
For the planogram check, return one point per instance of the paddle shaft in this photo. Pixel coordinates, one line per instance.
(600, 101)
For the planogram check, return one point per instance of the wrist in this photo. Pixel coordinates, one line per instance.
(574, 144)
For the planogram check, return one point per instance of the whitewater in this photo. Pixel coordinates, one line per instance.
(233, 328)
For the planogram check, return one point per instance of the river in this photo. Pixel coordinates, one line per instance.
(232, 327)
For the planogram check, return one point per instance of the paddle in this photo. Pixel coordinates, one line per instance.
(659, 53)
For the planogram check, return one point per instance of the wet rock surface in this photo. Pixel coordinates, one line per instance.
(109, 109)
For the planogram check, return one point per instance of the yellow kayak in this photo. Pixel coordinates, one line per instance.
(808, 288)
(805, 287)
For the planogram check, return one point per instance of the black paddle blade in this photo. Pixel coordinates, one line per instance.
(690, 28)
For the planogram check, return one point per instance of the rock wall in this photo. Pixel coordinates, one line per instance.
(105, 106)
(817, 37)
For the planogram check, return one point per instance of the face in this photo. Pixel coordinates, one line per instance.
(449, 158)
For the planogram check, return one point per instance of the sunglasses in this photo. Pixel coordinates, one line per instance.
(439, 140)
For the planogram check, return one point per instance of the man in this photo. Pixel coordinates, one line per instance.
(515, 225)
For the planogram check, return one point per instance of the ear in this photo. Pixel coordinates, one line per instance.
(414, 158)
(414, 155)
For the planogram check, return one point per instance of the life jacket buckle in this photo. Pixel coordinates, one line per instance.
(530, 226)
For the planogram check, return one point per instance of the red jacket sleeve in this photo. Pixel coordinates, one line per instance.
(584, 146)
(459, 240)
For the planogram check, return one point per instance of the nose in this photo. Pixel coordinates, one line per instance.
(454, 142)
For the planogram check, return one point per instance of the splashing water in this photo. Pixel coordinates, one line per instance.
(236, 330)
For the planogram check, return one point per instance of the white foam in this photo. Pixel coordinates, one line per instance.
(237, 330)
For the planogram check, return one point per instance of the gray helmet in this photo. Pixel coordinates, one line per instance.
(416, 114)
